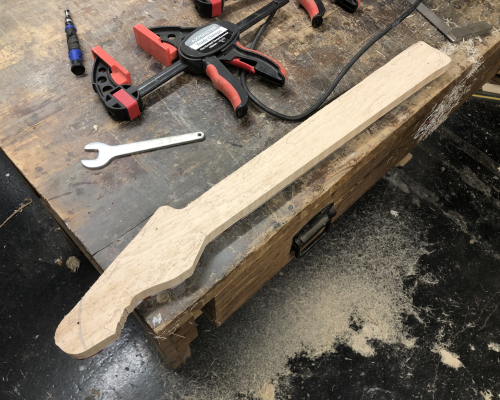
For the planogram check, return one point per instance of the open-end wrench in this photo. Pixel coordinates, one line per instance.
(107, 153)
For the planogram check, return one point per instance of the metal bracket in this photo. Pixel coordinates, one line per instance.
(313, 231)
(453, 34)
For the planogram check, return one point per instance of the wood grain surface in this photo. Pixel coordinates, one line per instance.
(167, 249)
(48, 116)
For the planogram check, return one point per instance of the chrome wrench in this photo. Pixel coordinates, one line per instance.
(108, 153)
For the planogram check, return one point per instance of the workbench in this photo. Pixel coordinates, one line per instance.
(48, 116)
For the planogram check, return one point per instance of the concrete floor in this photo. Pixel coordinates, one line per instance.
(399, 301)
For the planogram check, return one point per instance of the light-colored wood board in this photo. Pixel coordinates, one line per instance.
(491, 88)
(167, 249)
(404, 160)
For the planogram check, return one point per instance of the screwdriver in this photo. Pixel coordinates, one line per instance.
(75, 54)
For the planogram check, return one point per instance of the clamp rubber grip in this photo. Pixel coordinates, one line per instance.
(129, 102)
(209, 8)
(315, 9)
(119, 74)
(255, 62)
(113, 84)
(349, 5)
(226, 83)
(151, 43)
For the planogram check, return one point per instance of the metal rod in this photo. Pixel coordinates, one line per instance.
(160, 78)
(455, 34)
(258, 15)
(434, 19)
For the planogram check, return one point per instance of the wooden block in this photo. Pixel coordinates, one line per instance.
(173, 357)
(488, 87)
(404, 160)
(240, 285)
(183, 335)
(167, 249)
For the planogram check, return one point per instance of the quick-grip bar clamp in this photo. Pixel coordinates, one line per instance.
(203, 50)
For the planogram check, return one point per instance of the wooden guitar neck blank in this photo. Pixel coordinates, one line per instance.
(167, 249)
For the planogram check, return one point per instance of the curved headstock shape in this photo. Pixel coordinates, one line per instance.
(137, 273)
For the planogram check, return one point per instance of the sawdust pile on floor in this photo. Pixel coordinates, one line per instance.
(487, 395)
(349, 294)
(494, 347)
(447, 357)
(73, 263)
(267, 392)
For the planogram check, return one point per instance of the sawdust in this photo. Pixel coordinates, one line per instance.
(487, 395)
(494, 347)
(73, 263)
(447, 357)
(356, 295)
(267, 392)
(466, 49)
(18, 210)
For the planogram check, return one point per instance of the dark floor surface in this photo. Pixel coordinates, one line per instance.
(428, 233)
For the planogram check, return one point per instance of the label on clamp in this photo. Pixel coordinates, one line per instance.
(207, 38)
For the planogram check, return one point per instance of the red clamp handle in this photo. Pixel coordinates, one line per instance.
(255, 62)
(281, 67)
(315, 9)
(226, 83)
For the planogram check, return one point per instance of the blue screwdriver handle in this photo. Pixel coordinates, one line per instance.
(75, 54)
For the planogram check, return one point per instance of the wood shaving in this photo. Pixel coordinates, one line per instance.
(73, 263)
(356, 274)
(20, 209)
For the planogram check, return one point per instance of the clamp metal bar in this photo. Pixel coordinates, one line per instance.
(258, 15)
(160, 78)
(453, 34)
(434, 19)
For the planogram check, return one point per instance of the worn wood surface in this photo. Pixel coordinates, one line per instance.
(166, 251)
(48, 115)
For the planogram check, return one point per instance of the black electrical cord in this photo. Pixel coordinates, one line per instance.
(342, 73)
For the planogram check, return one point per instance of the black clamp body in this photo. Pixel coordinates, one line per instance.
(205, 49)
(348, 5)
(209, 8)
